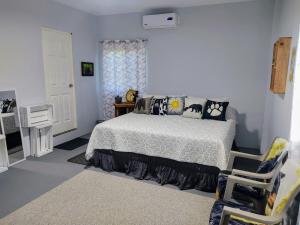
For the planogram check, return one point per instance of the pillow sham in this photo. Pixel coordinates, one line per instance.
(159, 106)
(175, 105)
(194, 107)
(142, 106)
(215, 110)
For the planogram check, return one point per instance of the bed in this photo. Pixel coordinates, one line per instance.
(185, 152)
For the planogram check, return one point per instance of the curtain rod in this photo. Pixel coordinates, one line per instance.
(144, 40)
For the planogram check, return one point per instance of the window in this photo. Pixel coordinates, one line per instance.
(124, 67)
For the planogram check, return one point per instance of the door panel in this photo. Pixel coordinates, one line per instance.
(59, 77)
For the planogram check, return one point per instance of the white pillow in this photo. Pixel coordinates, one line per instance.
(194, 107)
(219, 99)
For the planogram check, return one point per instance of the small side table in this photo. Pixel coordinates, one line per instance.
(123, 108)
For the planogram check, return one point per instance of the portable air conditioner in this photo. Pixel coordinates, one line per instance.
(167, 20)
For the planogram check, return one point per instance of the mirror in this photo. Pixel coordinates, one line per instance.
(10, 126)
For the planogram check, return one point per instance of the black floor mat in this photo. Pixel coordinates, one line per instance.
(73, 144)
(79, 159)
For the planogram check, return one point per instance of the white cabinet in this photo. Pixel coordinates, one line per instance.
(38, 119)
(41, 140)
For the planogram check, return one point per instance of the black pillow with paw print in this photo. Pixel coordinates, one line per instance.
(215, 110)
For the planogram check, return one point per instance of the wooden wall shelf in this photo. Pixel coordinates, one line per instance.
(280, 65)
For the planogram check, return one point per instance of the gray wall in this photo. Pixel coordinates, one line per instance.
(279, 107)
(216, 51)
(21, 65)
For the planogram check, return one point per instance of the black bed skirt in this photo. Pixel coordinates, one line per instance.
(163, 171)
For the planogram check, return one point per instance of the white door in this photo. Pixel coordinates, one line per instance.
(59, 77)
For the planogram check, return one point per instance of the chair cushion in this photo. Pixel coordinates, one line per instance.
(271, 197)
(267, 166)
(291, 215)
(278, 146)
(269, 163)
(235, 220)
(217, 210)
(249, 197)
(288, 197)
(238, 190)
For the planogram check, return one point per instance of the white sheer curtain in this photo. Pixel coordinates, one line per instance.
(124, 67)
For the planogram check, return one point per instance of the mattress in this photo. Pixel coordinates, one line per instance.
(206, 142)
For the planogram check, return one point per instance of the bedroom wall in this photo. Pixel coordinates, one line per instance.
(216, 51)
(21, 65)
(279, 107)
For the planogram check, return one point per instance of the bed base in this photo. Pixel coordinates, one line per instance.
(164, 171)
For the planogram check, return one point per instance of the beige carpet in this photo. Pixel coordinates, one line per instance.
(95, 198)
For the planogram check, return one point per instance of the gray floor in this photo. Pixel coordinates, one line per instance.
(33, 177)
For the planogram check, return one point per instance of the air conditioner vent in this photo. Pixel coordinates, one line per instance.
(167, 20)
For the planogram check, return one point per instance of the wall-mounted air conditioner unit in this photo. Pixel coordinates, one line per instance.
(167, 20)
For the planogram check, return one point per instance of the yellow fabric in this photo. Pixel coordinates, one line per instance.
(175, 104)
(287, 197)
(217, 194)
(244, 220)
(277, 148)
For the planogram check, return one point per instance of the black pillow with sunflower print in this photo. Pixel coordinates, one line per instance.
(159, 106)
(175, 105)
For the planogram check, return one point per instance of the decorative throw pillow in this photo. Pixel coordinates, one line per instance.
(194, 107)
(215, 110)
(142, 106)
(159, 106)
(175, 105)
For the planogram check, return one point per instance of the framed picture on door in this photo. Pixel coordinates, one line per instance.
(87, 69)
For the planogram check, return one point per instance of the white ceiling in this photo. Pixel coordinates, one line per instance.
(110, 7)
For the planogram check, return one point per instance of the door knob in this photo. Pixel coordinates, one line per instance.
(70, 85)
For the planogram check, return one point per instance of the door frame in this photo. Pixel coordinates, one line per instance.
(75, 122)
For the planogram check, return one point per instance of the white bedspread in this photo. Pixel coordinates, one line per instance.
(199, 141)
